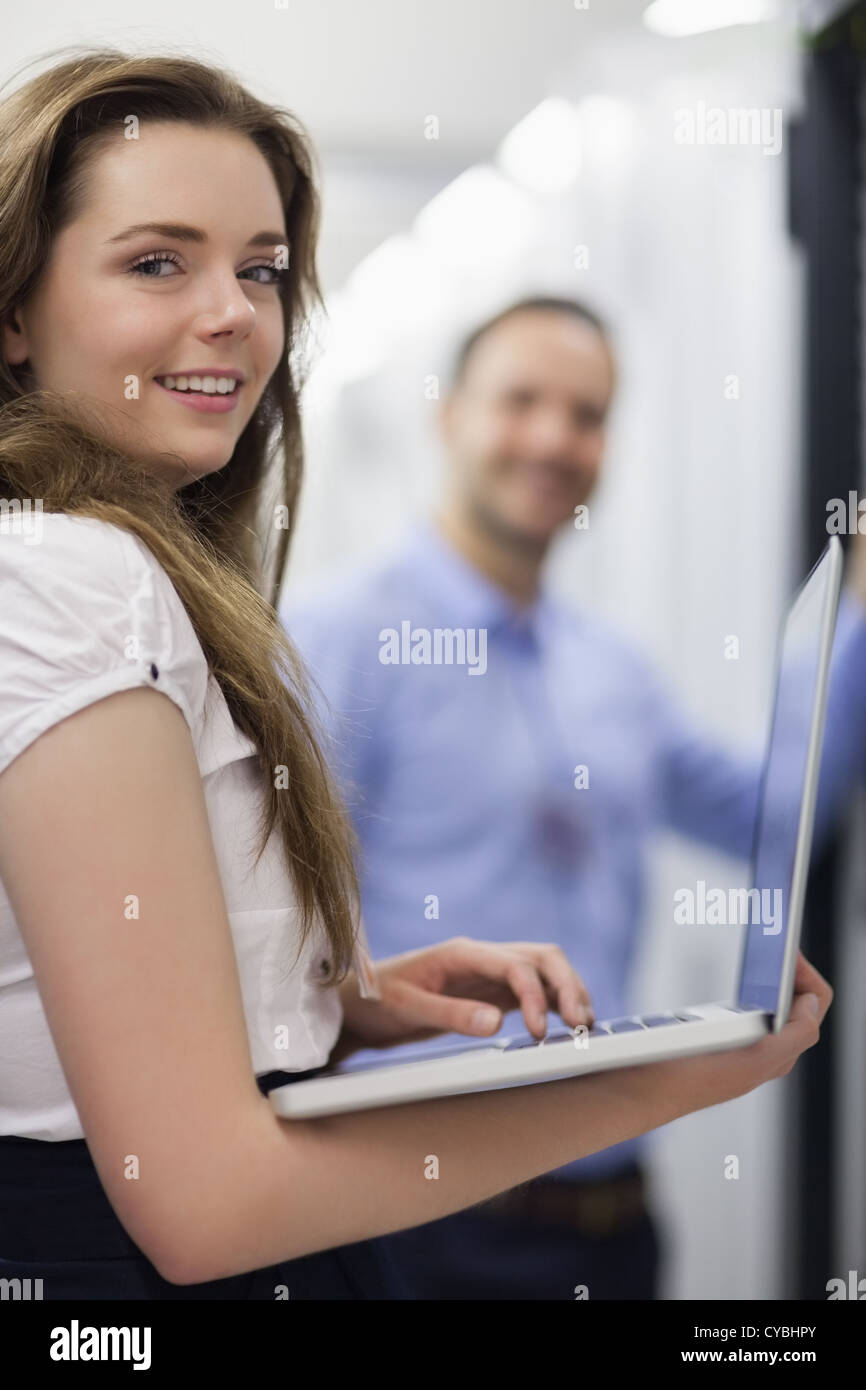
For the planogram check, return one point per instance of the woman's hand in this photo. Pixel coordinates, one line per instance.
(461, 986)
(693, 1083)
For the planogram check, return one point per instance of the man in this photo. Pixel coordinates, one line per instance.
(505, 763)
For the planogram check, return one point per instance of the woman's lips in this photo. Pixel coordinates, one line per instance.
(197, 400)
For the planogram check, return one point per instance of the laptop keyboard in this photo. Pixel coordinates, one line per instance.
(606, 1028)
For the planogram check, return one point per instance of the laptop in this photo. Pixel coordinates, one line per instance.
(771, 912)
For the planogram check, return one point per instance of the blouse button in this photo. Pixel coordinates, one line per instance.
(154, 671)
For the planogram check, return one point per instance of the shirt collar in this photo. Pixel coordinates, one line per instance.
(461, 594)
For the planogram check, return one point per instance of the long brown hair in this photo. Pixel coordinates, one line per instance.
(216, 538)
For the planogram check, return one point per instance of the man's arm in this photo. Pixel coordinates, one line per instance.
(712, 795)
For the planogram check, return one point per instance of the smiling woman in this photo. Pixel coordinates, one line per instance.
(176, 293)
(156, 975)
(86, 332)
(151, 324)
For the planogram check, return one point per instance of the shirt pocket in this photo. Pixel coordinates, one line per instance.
(220, 741)
(292, 1021)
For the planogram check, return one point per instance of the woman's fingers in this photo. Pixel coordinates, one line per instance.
(538, 975)
(807, 980)
(801, 1032)
(422, 1008)
(812, 999)
(527, 987)
(566, 992)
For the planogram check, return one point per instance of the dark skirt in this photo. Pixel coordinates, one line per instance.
(58, 1226)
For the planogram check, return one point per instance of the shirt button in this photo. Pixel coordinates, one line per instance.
(154, 671)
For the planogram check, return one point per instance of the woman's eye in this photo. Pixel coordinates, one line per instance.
(154, 258)
(276, 271)
(143, 266)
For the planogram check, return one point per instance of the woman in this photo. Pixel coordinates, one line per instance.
(178, 913)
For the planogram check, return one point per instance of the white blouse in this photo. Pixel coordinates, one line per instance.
(85, 611)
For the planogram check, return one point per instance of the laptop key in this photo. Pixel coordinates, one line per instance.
(560, 1035)
(658, 1020)
(521, 1040)
(624, 1025)
(527, 1040)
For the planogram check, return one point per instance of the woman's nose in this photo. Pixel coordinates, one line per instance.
(226, 308)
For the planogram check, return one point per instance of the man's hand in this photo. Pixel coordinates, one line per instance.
(462, 986)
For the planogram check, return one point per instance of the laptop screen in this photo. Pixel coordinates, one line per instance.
(775, 900)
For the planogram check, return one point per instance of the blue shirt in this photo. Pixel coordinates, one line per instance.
(515, 801)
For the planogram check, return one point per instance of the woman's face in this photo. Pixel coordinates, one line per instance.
(117, 310)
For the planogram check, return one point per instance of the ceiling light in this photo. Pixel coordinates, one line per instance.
(678, 18)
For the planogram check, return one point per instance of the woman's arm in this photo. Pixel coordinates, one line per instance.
(147, 1019)
(483, 1144)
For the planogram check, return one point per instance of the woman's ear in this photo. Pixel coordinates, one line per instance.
(14, 340)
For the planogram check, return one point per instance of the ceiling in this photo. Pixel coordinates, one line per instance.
(363, 76)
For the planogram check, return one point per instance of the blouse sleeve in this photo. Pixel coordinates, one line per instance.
(85, 611)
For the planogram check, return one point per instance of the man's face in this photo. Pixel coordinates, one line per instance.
(525, 428)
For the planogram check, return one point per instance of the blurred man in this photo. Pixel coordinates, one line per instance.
(505, 763)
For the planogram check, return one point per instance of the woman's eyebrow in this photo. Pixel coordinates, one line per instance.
(179, 231)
